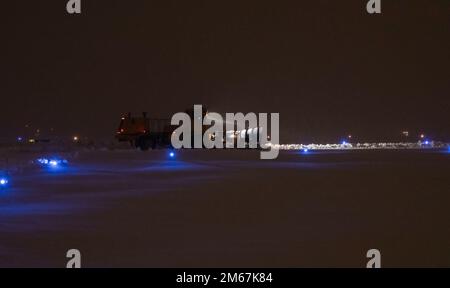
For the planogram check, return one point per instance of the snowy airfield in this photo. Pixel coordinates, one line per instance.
(220, 208)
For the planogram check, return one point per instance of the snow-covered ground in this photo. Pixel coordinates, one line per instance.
(219, 208)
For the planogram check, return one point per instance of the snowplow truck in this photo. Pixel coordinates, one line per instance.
(144, 133)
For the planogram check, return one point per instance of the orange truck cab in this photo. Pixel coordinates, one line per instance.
(143, 132)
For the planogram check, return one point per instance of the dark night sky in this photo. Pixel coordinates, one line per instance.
(327, 67)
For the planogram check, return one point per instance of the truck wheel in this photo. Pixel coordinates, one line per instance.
(143, 144)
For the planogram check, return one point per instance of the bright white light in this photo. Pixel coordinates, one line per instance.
(52, 162)
(43, 161)
(362, 146)
(3, 181)
(172, 154)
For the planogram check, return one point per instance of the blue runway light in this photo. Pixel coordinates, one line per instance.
(4, 181)
(344, 142)
(51, 162)
(172, 154)
(43, 161)
(305, 150)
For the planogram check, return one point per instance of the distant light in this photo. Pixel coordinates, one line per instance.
(427, 142)
(3, 181)
(42, 161)
(422, 136)
(171, 154)
(19, 139)
(349, 136)
(75, 138)
(344, 142)
(31, 140)
(305, 150)
(52, 162)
